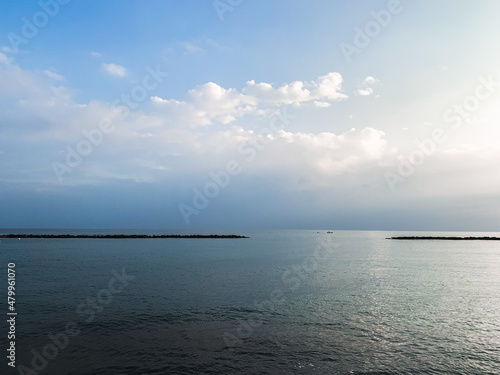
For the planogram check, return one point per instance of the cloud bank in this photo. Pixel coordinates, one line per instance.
(166, 147)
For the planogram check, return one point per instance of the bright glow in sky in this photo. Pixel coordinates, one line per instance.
(270, 114)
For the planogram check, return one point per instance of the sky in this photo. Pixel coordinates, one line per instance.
(370, 115)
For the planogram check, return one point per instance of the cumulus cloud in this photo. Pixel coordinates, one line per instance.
(365, 88)
(319, 156)
(204, 104)
(364, 92)
(158, 139)
(320, 104)
(210, 102)
(370, 80)
(217, 102)
(114, 70)
(327, 87)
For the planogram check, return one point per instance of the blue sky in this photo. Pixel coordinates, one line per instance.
(400, 134)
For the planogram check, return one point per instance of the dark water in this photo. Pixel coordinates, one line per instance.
(280, 302)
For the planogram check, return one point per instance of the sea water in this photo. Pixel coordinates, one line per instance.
(279, 302)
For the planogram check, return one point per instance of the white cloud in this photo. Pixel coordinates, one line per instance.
(95, 54)
(114, 70)
(365, 89)
(204, 104)
(320, 104)
(23, 86)
(210, 102)
(370, 80)
(327, 87)
(326, 153)
(147, 141)
(162, 142)
(217, 102)
(364, 92)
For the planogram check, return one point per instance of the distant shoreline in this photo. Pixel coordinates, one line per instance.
(446, 238)
(120, 236)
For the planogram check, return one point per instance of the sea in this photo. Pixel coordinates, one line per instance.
(278, 302)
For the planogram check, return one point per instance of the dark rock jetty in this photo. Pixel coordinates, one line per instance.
(446, 238)
(115, 236)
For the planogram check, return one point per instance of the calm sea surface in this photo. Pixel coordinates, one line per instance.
(280, 302)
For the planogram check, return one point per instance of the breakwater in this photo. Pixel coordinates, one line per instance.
(120, 236)
(446, 238)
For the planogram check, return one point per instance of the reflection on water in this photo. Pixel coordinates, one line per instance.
(371, 306)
